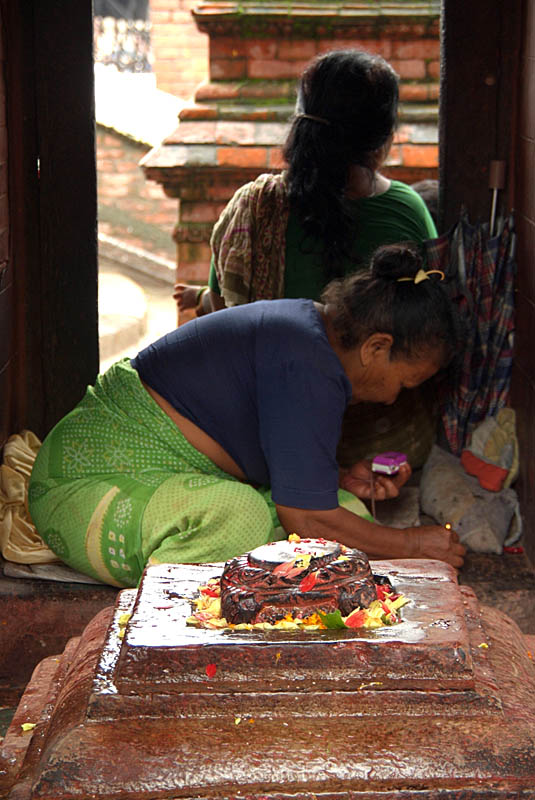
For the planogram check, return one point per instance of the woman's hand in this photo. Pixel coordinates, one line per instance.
(358, 481)
(436, 541)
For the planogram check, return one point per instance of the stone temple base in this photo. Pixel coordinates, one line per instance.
(440, 706)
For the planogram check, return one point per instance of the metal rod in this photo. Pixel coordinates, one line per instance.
(496, 182)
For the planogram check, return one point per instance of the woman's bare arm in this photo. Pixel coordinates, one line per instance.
(377, 541)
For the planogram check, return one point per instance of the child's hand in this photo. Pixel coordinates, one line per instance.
(185, 296)
(358, 478)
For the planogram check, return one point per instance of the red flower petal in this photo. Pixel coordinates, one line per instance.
(308, 582)
(284, 568)
(382, 590)
(356, 619)
(211, 670)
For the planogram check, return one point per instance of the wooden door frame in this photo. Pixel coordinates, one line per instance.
(53, 206)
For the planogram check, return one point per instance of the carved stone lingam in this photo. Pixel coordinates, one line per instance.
(441, 705)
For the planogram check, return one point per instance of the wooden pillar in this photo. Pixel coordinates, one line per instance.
(53, 208)
(476, 103)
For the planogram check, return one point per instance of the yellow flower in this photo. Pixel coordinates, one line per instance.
(303, 560)
(313, 620)
(286, 624)
(399, 603)
(373, 622)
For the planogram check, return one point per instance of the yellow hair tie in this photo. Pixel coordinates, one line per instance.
(422, 275)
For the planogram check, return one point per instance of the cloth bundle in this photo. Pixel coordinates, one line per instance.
(484, 520)
(19, 540)
(492, 455)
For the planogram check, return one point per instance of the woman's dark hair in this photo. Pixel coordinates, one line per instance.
(353, 96)
(420, 317)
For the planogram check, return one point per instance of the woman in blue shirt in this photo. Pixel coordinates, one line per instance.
(222, 435)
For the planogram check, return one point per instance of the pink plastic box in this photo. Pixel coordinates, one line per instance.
(388, 463)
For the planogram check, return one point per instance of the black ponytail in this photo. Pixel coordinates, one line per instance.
(346, 110)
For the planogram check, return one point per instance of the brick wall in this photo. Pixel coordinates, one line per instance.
(235, 60)
(237, 123)
(523, 395)
(180, 51)
(129, 207)
(233, 57)
(6, 285)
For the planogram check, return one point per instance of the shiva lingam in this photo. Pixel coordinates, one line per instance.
(143, 705)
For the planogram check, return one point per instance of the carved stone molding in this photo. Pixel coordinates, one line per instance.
(313, 19)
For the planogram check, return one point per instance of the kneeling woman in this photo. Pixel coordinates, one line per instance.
(222, 435)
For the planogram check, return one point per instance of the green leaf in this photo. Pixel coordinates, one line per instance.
(332, 620)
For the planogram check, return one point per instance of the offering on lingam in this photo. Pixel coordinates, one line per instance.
(307, 584)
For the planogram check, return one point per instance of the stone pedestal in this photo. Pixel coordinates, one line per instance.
(143, 706)
(236, 126)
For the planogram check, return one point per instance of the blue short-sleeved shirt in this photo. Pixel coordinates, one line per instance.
(264, 382)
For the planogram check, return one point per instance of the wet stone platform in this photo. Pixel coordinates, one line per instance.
(144, 706)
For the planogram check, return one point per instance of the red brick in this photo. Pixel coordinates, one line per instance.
(215, 91)
(261, 49)
(382, 47)
(192, 253)
(419, 49)
(227, 68)
(241, 133)
(169, 33)
(275, 69)
(420, 155)
(410, 174)
(159, 17)
(122, 167)
(434, 91)
(159, 5)
(413, 92)
(408, 68)
(192, 133)
(182, 18)
(412, 30)
(275, 159)
(199, 212)
(433, 69)
(220, 190)
(226, 47)
(196, 274)
(198, 112)
(242, 156)
(297, 49)
(168, 51)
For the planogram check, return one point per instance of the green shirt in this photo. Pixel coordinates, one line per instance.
(397, 215)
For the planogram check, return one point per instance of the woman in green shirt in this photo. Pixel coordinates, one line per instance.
(289, 235)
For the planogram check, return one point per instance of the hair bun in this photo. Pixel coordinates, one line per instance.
(394, 261)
